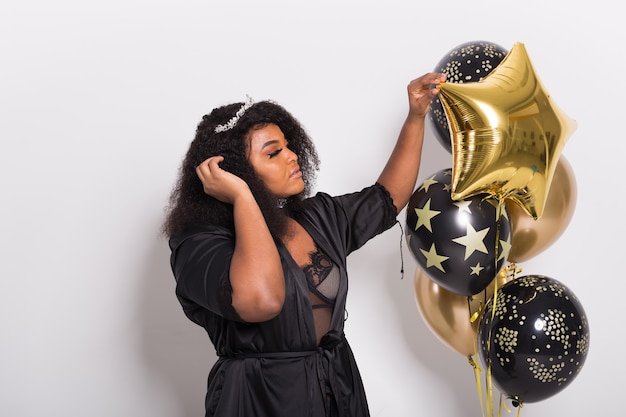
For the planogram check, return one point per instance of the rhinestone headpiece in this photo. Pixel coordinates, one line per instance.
(233, 122)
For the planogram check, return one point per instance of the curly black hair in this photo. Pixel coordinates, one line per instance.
(189, 204)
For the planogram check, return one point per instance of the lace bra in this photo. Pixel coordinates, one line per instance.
(322, 277)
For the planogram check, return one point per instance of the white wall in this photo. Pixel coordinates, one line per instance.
(98, 102)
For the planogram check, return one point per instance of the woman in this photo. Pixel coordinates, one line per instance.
(262, 266)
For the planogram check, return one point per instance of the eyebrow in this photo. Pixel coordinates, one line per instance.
(269, 142)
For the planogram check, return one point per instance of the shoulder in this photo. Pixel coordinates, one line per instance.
(372, 198)
(375, 192)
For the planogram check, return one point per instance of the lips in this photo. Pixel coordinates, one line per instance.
(296, 174)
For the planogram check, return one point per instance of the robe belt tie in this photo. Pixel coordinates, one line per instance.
(325, 367)
(328, 342)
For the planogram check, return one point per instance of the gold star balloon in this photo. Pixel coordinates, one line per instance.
(507, 134)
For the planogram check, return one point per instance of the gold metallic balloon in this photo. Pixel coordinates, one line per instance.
(530, 237)
(507, 134)
(453, 318)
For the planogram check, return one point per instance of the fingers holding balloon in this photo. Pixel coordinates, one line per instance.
(421, 92)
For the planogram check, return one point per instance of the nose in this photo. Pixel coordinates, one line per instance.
(291, 156)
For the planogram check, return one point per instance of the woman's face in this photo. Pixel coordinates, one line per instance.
(274, 162)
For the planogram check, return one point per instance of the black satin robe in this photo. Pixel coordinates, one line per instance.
(275, 368)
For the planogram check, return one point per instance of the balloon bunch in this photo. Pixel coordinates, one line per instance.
(508, 196)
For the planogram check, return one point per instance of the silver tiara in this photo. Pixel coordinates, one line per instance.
(233, 122)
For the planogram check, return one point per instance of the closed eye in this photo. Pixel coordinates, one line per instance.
(275, 153)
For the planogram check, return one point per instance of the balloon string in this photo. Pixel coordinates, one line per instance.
(473, 363)
(499, 208)
(509, 272)
(497, 253)
(401, 246)
(478, 312)
(488, 380)
(477, 379)
(503, 405)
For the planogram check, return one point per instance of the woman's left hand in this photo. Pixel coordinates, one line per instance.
(421, 92)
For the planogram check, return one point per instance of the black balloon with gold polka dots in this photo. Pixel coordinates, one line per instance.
(534, 334)
(465, 63)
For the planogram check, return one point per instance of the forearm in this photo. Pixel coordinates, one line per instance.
(256, 273)
(400, 173)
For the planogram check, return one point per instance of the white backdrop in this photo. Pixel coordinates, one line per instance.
(98, 103)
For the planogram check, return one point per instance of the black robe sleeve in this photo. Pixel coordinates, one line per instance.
(350, 219)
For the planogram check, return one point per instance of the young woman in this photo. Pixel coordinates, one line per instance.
(261, 265)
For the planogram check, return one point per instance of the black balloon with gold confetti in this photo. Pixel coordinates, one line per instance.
(465, 63)
(536, 341)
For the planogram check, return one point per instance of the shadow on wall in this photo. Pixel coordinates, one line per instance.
(175, 349)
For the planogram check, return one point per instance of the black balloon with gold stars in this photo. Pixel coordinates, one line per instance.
(467, 62)
(536, 341)
(461, 245)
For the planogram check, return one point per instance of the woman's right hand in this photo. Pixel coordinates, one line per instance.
(219, 183)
